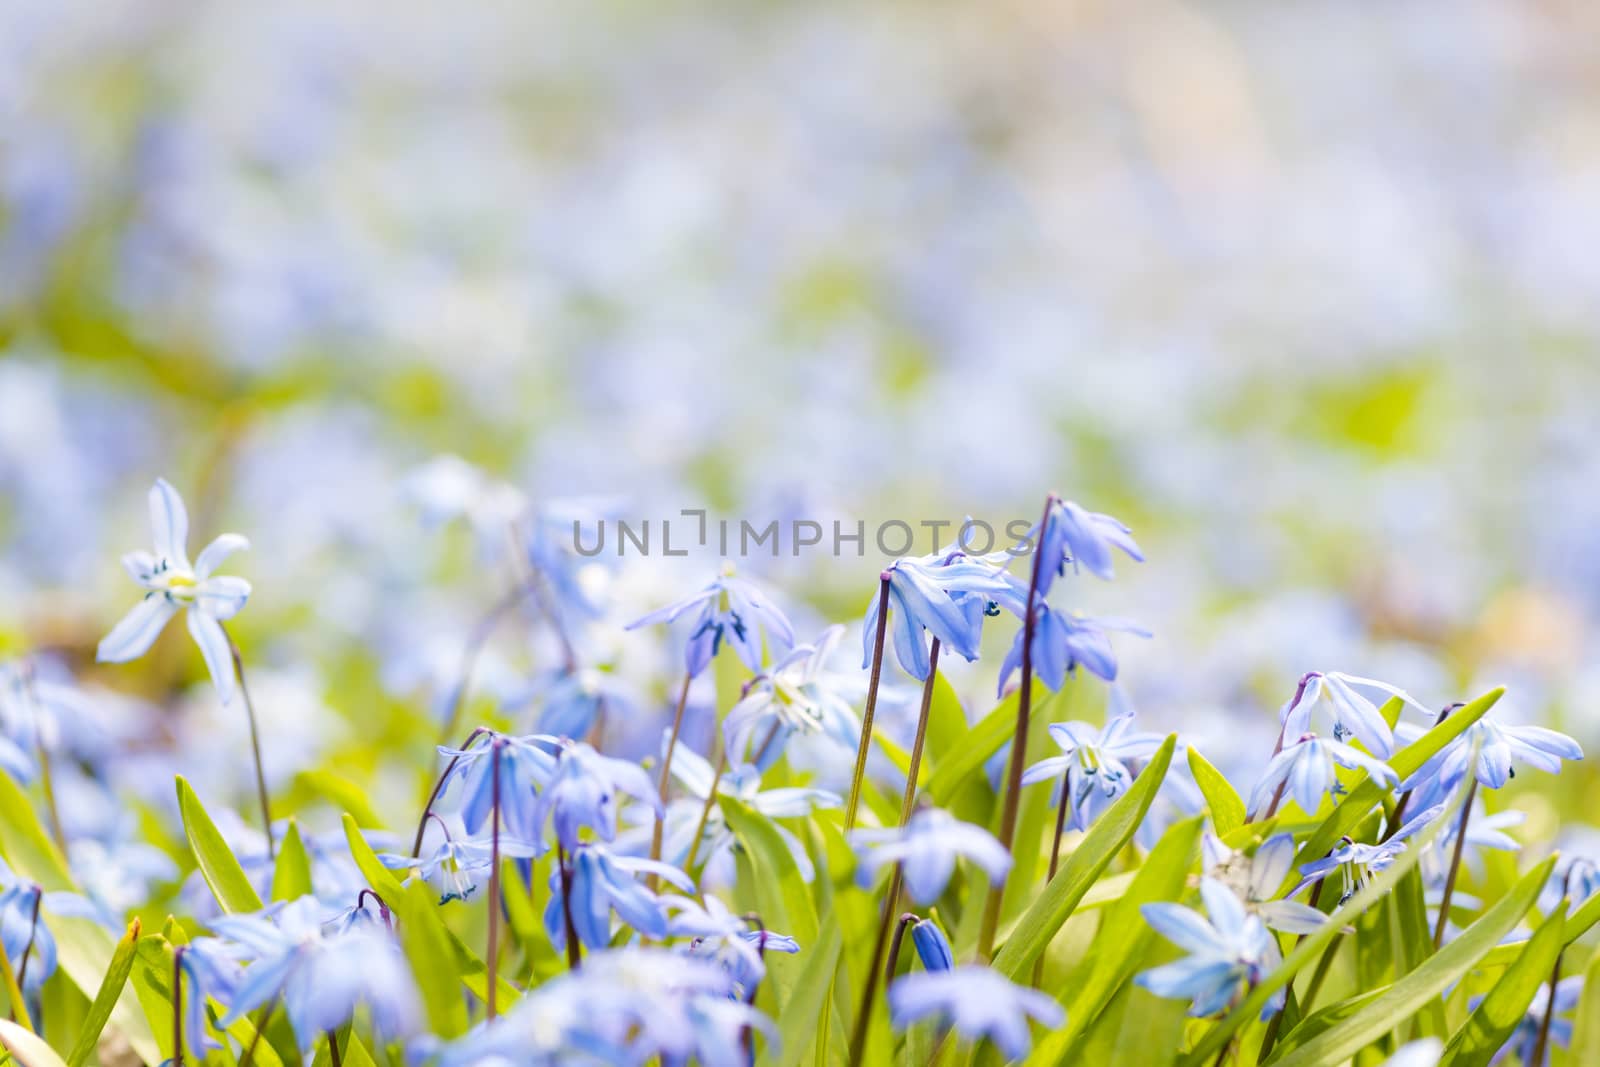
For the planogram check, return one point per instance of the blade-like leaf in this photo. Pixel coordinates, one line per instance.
(957, 766)
(106, 999)
(1586, 1030)
(432, 962)
(291, 877)
(1227, 809)
(1113, 830)
(1440, 971)
(801, 1014)
(1486, 1030)
(217, 863)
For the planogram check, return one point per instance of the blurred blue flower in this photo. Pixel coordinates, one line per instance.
(978, 1002)
(798, 695)
(922, 593)
(926, 849)
(1306, 771)
(1359, 861)
(527, 764)
(175, 584)
(1228, 954)
(1064, 641)
(209, 971)
(602, 882)
(933, 948)
(1073, 535)
(729, 608)
(1259, 879)
(1487, 749)
(582, 791)
(322, 971)
(726, 938)
(573, 699)
(27, 941)
(1353, 715)
(1095, 762)
(454, 868)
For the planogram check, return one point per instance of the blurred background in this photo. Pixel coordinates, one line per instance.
(1305, 294)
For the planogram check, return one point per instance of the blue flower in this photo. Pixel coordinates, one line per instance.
(1094, 761)
(1228, 954)
(175, 584)
(573, 699)
(209, 971)
(1259, 879)
(933, 948)
(1359, 861)
(724, 937)
(922, 596)
(1353, 715)
(729, 608)
(1081, 538)
(600, 883)
(978, 1002)
(27, 941)
(1487, 748)
(1064, 641)
(1305, 771)
(454, 868)
(583, 792)
(926, 849)
(322, 970)
(799, 695)
(526, 765)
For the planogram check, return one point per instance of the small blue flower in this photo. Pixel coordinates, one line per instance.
(573, 699)
(1081, 538)
(1228, 954)
(1305, 770)
(322, 970)
(724, 937)
(978, 1002)
(1359, 861)
(1095, 762)
(209, 971)
(526, 765)
(454, 868)
(1259, 879)
(933, 948)
(601, 883)
(1064, 641)
(799, 695)
(1495, 745)
(1353, 715)
(174, 584)
(926, 849)
(922, 596)
(583, 792)
(729, 608)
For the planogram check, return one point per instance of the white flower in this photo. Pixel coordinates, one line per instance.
(174, 583)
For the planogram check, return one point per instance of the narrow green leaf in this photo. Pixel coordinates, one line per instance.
(1578, 923)
(291, 877)
(26, 1047)
(340, 792)
(1586, 1028)
(960, 764)
(1441, 970)
(802, 1013)
(217, 863)
(947, 723)
(106, 998)
(1227, 809)
(432, 962)
(781, 896)
(1099, 846)
(1491, 1023)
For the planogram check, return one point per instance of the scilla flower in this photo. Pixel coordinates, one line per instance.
(922, 595)
(1228, 954)
(724, 937)
(933, 948)
(1065, 641)
(175, 584)
(1305, 771)
(730, 609)
(797, 696)
(526, 764)
(1260, 878)
(27, 941)
(978, 1002)
(582, 791)
(1360, 861)
(926, 848)
(209, 971)
(1496, 745)
(601, 882)
(1095, 763)
(1352, 714)
(455, 867)
(321, 969)
(1080, 538)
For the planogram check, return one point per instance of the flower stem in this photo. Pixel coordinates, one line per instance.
(1543, 1040)
(1455, 863)
(1019, 748)
(666, 769)
(255, 742)
(574, 950)
(177, 1006)
(438, 787)
(33, 932)
(333, 1042)
(1055, 854)
(914, 768)
(907, 918)
(869, 991)
(491, 952)
(705, 812)
(872, 703)
(19, 1007)
(261, 1027)
(476, 640)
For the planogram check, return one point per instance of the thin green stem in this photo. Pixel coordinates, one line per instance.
(491, 954)
(1055, 852)
(871, 708)
(869, 990)
(438, 787)
(914, 768)
(177, 1006)
(1455, 864)
(255, 742)
(574, 950)
(666, 769)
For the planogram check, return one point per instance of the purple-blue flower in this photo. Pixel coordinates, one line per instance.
(1078, 537)
(175, 584)
(730, 609)
(978, 1002)
(798, 695)
(933, 948)
(1095, 762)
(1259, 879)
(25, 938)
(1228, 953)
(1352, 714)
(583, 791)
(1487, 749)
(1065, 641)
(1306, 772)
(526, 766)
(601, 882)
(922, 596)
(927, 848)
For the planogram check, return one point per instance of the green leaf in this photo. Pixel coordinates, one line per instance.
(291, 877)
(1094, 853)
(1586, 1031)
(1409, 994)
(1487, 1029)
(1310, 946)
(800, 1016)
(432, 962)
(217, 863)
(27, 1048)
(83, 947)
(957, 766)
(947, 723)
(1124, 936)
(781, 894)
(340, 792)
(1227, 809)
(1578, 923)
(106, 998)
(1406, 762)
